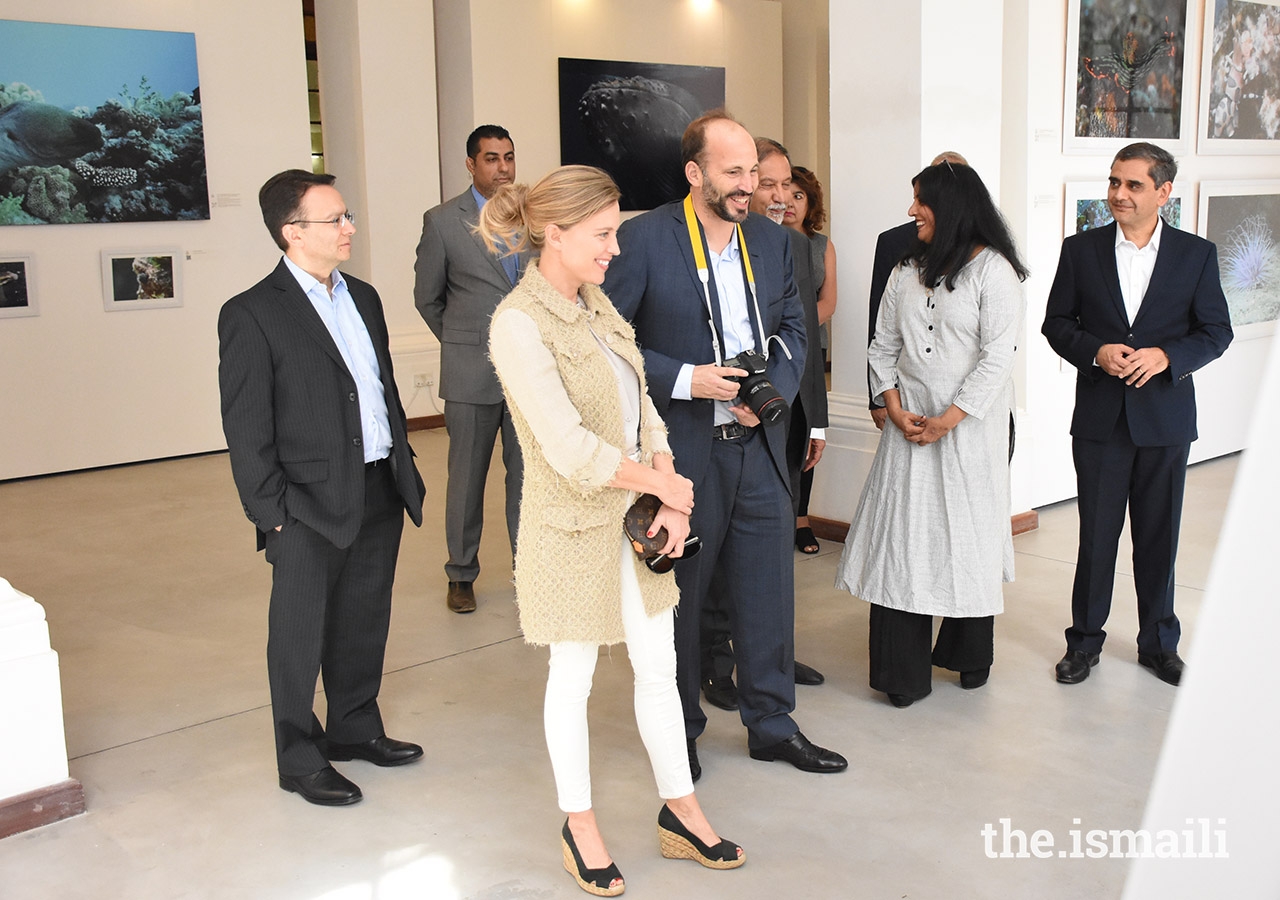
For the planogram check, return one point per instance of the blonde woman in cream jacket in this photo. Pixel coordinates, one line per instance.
(592, 440)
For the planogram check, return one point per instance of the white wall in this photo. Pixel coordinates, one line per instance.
(1218, 759)
(985, 78)
(513, 50)
(84, 387)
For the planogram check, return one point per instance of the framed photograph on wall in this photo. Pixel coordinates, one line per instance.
(1243, 219)
(99, 125)
(1086, 207)
(1128, 74)
(628, 117)
(142, 279)
(1240, 78)
(17, 295)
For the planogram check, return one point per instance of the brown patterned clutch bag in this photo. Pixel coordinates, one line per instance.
(638, 521)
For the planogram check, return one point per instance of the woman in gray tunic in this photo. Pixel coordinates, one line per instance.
(931, 535)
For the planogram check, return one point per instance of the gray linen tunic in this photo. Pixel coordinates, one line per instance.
(931, 534)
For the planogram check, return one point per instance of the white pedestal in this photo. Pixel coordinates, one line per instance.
(34, 785)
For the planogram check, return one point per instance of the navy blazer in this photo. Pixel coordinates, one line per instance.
(654, 284)
(891, 246)
(291, 414)
(1184, 313)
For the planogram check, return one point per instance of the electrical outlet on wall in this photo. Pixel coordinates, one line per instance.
(423, 380)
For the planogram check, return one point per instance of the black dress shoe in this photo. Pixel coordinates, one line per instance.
(1166, 664)
(975, 678)
(808, 674)
(1074, 667)
(326, 787)
(803, 754)
(902, 701)
(695, 767)
(721, 692)
(461, 598)
(381, 751)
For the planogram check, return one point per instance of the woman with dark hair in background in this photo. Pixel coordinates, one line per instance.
(806, 213)
(592, 439)
(931, 535)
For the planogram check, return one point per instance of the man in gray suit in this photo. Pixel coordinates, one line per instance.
(458, 286)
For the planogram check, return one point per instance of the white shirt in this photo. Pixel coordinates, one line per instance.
(628, 390)
(735, 316)
(1134, 266)
(348, 331)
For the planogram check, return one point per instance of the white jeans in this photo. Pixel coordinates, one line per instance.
(651, 647)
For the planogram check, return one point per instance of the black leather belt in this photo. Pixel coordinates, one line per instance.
(730, 432)
(377, 462)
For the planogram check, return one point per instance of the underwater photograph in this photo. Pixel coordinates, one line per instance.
(1129, 68)
(1246, 228)
(627, 118)
(99, 125)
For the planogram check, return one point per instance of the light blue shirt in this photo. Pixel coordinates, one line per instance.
(348, 331)
(735, 318)
(508, 260)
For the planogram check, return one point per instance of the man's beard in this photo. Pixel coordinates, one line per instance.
(718, 203)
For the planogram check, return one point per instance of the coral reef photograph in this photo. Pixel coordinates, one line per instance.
(1096, 214)
(1244, 71)
(1247, 230)
(99, 125)
(1129, 69)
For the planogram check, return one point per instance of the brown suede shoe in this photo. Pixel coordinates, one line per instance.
(461, 598)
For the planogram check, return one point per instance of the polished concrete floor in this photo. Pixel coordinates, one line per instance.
(157, 606)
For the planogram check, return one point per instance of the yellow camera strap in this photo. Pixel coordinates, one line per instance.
(704, 275)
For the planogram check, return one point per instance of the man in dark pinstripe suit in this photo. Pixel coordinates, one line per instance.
(322, 462)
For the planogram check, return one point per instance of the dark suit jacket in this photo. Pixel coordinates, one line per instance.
(654, 284)
(1184, 313)
(291, 414)
(890, 248)
(813, 381)
(457, 287)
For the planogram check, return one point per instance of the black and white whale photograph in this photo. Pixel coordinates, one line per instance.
(627, 118)
(99, 125)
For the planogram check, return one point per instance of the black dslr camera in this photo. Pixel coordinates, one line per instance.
(755, 388)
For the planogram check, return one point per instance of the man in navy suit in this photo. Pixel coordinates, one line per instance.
(322, 462)
(703, 280)
(1136, 307)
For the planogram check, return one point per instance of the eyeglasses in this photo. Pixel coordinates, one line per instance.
(661, 563)
(336, 221)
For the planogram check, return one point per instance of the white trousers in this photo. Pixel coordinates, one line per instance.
(651, 648)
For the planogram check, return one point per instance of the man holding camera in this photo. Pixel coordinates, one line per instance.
(710, 291)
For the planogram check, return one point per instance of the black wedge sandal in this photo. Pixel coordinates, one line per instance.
(678, 842)
(606, 882)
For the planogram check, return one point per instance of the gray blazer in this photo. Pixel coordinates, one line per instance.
(457, 287)
(813, 382)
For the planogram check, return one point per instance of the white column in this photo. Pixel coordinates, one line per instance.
(377, 75)
(908, 80)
